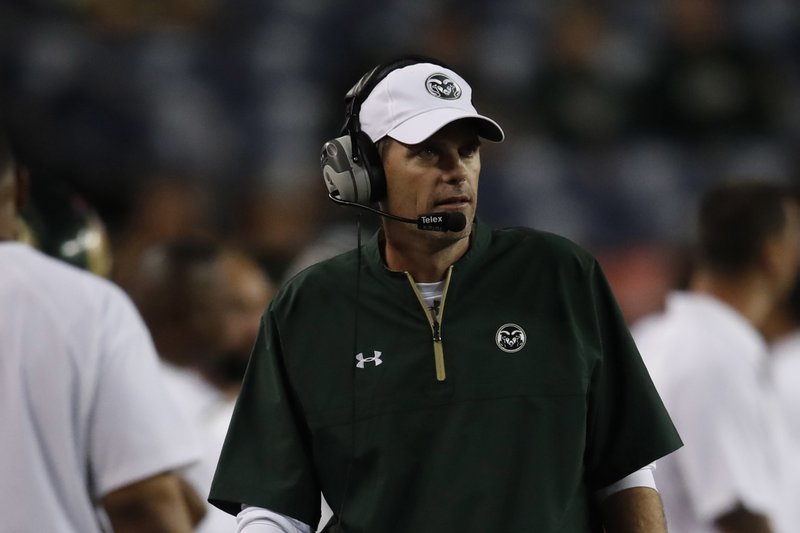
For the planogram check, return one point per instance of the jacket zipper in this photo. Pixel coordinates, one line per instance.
(435, 318)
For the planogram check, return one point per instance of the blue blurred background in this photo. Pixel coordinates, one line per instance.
(176, 117)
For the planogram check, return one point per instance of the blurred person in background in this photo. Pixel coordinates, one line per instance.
(91, 439)
(579, 98)
(275, 224)
(782, 331)
(163, 208)
(336, 234)
(175, 284)
(706, 84)
(63, 224)
(350, 392)
(247, 291)
(710, 364)
(203, 302)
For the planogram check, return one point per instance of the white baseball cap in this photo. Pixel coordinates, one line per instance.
(412, 103)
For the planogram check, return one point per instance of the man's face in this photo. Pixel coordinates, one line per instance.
(789, 263)
(246, 294)
(440, 174)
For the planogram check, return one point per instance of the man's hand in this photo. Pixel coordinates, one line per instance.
(634, 510)
(740, 520)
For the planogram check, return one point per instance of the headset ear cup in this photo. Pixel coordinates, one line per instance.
(371, 161)
(361, 182)
(345, 179)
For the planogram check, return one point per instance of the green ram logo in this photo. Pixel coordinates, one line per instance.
(440, 86)
(510, 338)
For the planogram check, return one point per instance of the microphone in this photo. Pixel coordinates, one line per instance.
(455, 221)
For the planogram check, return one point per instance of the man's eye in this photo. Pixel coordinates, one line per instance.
(426, 153)
(470, 151)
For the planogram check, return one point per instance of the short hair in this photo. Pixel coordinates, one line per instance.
(736, 220)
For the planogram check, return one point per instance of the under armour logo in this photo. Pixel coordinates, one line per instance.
(374, 359)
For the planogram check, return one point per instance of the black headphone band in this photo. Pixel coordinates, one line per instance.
(351, 165)
(362, 89)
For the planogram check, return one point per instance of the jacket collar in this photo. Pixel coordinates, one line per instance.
(481, 236)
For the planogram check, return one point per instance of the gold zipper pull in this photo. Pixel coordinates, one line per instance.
(433, 314)
(438, 350)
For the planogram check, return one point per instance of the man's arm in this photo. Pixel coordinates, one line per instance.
(194, 503)
(740, 520)
(153, 505)
(634, 510)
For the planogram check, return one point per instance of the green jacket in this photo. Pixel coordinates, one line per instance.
(503, 411)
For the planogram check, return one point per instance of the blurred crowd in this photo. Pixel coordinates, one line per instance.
(173, 146)
(180, 116)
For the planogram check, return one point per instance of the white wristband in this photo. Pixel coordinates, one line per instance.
(641, 478)
(259, 520)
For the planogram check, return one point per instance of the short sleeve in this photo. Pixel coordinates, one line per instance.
(726, 426)
(135, 431)
(266, 459)
(628, 425)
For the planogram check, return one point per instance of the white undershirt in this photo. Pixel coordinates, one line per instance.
(431, 292)
(259, 520)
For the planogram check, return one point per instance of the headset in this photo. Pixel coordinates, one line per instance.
(351, 165)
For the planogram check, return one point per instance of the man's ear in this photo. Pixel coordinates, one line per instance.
(770, 254)
(775, 261)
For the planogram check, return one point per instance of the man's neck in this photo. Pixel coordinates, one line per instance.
(10, 183)
(229, 389)
(426, 260)
(7, 224)
(780, 323)
(752, 296)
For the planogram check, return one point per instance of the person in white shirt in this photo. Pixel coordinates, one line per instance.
(90, 439)
(782, 331)
(203, 302)
(710, 365)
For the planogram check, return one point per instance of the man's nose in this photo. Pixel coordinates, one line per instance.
(453, 166)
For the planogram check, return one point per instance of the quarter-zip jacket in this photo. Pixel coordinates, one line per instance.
(503, 412)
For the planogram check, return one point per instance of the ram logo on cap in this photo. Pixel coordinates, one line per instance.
(440, 86)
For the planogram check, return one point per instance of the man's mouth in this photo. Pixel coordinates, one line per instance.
(452, 202)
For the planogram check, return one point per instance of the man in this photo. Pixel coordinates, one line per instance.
(63, 224)
(176, 285)
(89, 436)
(782, 332)
(710, 364)
(247, 290)
(460, 380)
(203, 302)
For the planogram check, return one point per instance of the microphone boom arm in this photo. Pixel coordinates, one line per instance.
(429, 222)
